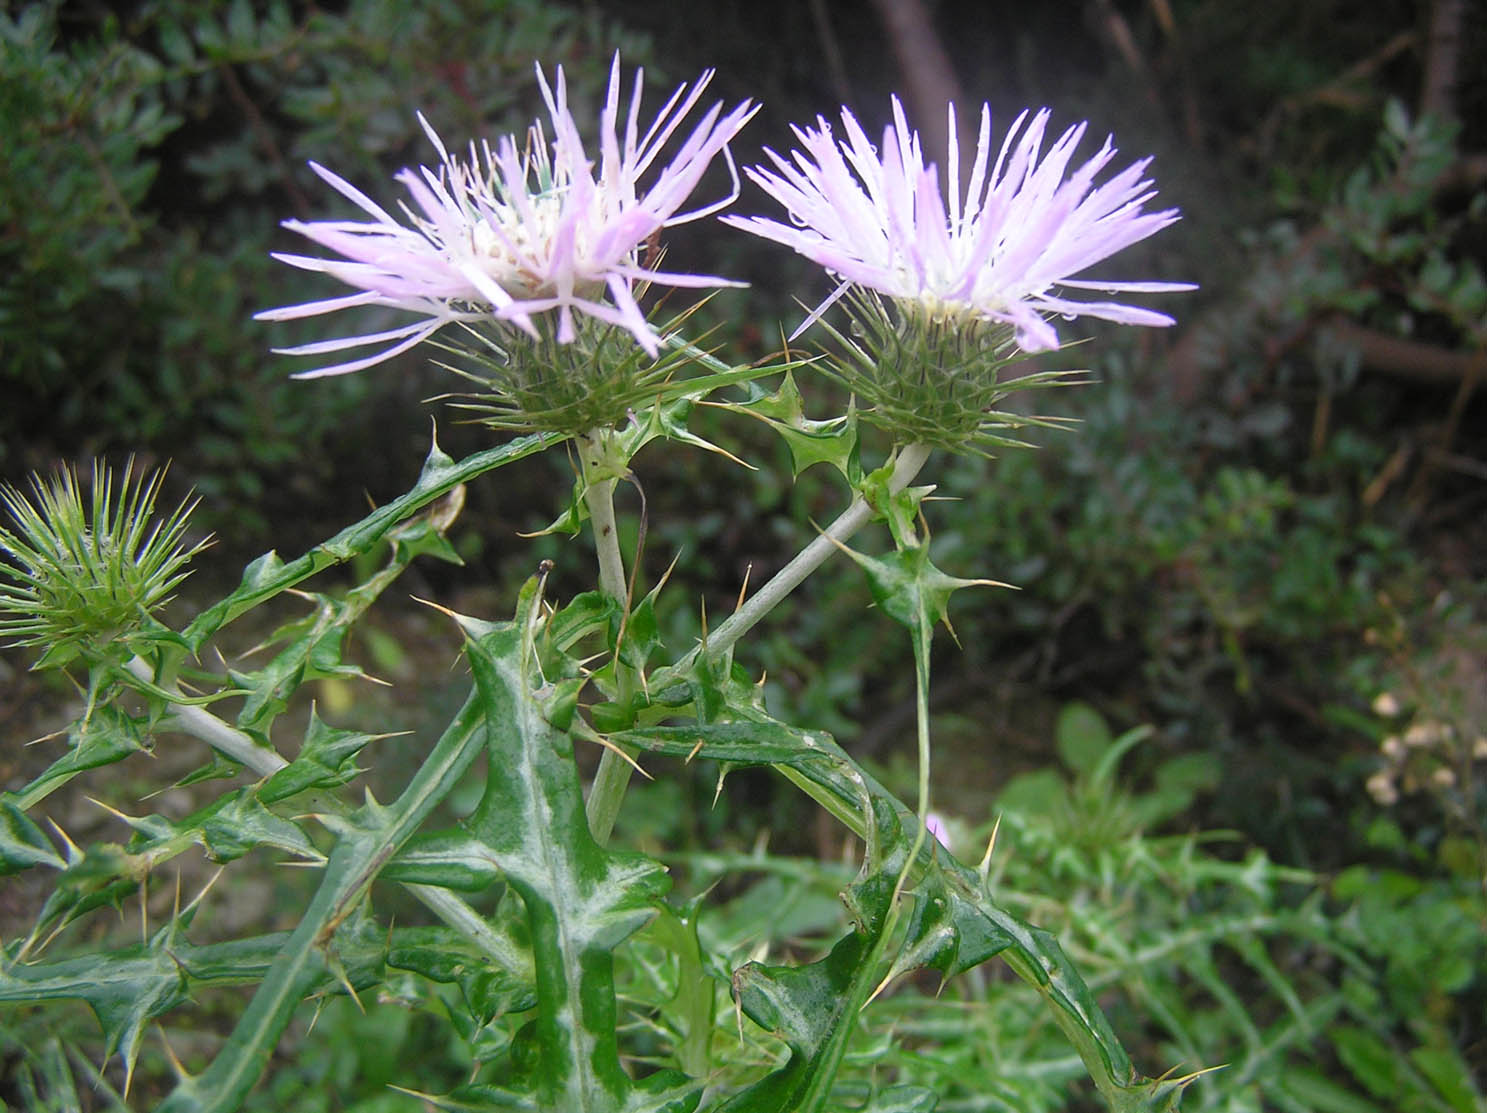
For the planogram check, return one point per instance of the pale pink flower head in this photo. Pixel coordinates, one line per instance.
(1006, 251)
(515, 232)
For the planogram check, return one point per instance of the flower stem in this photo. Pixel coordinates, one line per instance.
(921, 730)
(599, 498)
(611, 780)
(200, 723)
(910, 459)
(612, 777)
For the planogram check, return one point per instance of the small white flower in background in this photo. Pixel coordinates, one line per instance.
(879, 220)
(511, 233)
(1386, 704)
(1381, 787)
(1427, 733)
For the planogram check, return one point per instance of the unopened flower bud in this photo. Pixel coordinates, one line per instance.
(87, 572)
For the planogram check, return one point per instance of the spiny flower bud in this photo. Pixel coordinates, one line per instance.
(87, 573)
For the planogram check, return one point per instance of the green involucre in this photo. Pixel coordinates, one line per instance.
(933, 379)
(541, 385)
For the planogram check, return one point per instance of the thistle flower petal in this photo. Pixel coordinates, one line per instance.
(510, 232)
(1006, 250)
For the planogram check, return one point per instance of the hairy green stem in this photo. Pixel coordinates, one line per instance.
(598, 498)
(233, 743)
(201, 723)
(910, 459)
(613, 775)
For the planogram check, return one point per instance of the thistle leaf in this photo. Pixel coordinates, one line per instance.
(126, 988)
(101, 738)
(834, 441)
(812, 1008)
(443, 956)
(452, 859)
(326, 759)
(269, 575)
(226, 829)
(314, 643)
(580, 900)
(23, 844)
(99, 878)
(365, 841)
(312, 652)
(955, 924)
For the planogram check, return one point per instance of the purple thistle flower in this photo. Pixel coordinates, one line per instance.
(1022, 231)
(511, 233)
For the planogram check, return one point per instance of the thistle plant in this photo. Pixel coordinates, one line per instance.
(533, 264)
